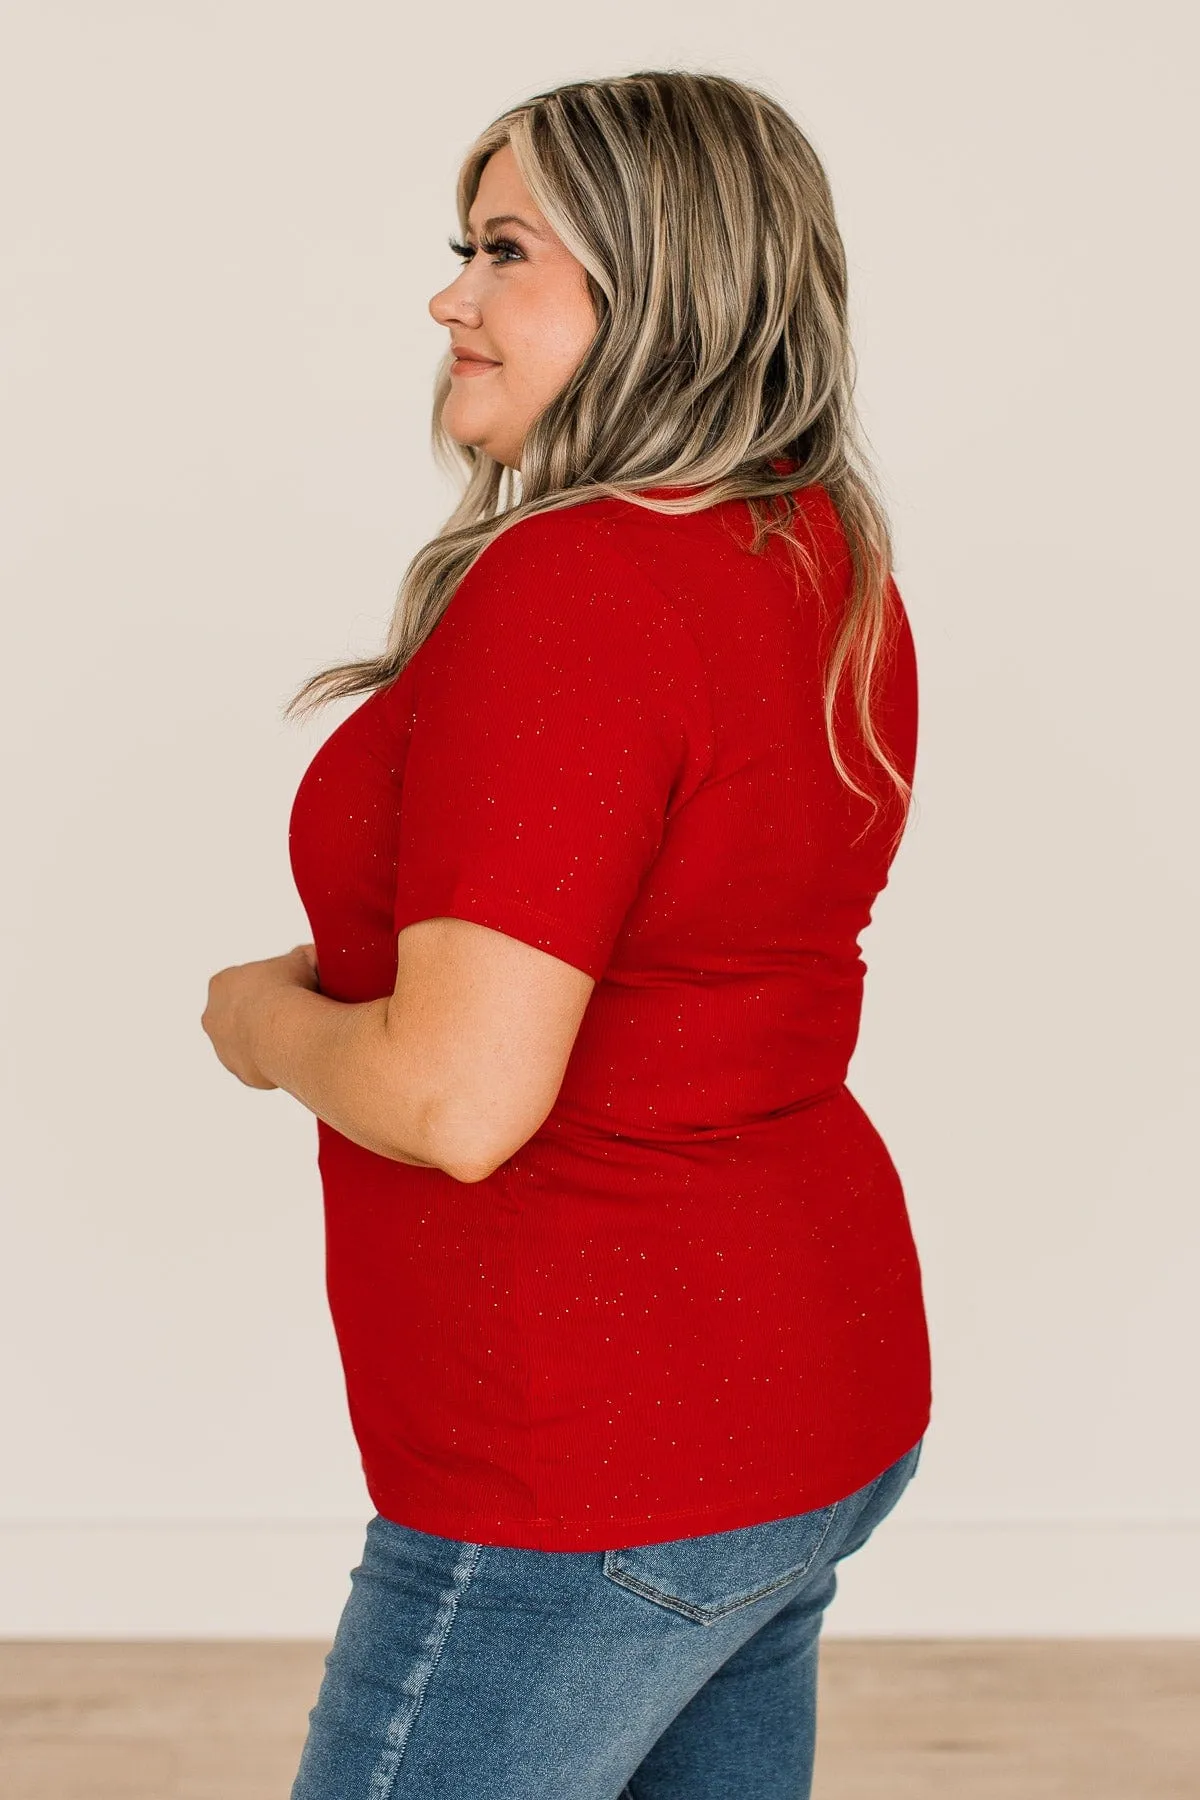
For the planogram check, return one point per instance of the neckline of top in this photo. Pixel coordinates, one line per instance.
(781, 464)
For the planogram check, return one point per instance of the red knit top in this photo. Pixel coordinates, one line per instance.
(692, 1300)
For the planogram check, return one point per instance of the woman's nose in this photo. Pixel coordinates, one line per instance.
(450, 303)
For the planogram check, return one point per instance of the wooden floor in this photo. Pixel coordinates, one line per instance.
(899, 1719)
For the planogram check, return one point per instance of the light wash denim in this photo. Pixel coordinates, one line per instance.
(684, 1670)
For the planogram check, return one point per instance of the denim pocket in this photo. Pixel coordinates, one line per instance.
(705, 1578)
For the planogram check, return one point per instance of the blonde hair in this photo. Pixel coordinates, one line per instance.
(705, 224)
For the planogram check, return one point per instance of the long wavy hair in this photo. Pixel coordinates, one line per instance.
(705, 223)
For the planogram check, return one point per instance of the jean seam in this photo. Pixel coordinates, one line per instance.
(400, 1725)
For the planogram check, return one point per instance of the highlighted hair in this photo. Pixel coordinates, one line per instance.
(705, 224)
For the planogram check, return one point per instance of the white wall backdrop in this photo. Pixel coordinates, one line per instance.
(222, 223)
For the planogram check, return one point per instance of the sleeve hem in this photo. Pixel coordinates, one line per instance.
(514, 917)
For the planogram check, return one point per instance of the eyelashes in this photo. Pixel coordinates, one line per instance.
(491, 245)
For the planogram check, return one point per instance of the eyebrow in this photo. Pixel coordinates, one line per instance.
(510, 219)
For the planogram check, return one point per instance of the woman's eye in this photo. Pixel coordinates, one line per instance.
(491, 246)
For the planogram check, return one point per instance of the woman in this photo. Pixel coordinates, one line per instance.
(622, 1276)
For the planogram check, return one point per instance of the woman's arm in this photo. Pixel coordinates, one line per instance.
(454, 1070)
(339, 1059)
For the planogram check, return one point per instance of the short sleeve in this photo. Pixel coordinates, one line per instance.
(560, 716)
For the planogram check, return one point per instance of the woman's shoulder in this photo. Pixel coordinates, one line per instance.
(558, 601)
(565, 563)
(578, 528)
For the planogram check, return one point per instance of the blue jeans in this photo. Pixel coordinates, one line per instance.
(684, 1670)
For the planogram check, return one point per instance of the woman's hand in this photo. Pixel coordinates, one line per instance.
(234, 997)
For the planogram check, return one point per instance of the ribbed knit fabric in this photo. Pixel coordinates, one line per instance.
(691, 1301)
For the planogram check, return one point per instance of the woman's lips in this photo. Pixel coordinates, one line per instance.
(471, 365)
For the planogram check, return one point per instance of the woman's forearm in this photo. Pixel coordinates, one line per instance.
(337, 1059)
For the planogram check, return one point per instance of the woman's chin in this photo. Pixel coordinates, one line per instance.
(466, 428)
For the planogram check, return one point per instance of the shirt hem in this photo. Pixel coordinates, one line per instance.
(625, 1531)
